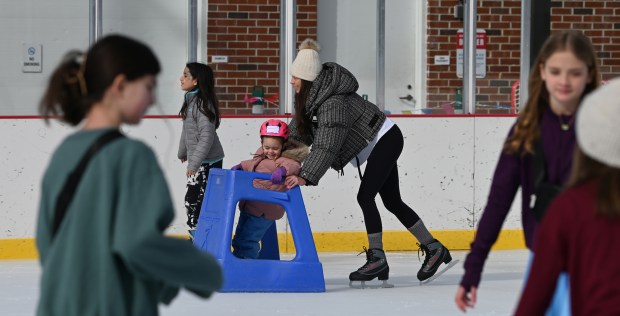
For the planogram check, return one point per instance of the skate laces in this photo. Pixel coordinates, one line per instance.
(425, 252)
(369, 254)
(369, 258)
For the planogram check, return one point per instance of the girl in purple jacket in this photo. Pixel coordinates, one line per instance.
(565, 70)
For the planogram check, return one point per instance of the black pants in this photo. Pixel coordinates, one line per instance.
(196, 186)
(381, 176)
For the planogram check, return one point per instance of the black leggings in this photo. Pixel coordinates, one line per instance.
(381, 176)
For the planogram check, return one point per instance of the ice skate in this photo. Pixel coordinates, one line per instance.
(435, 254)
(376, 266)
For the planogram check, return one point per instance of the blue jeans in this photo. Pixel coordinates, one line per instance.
(560, 303)
(250, 231)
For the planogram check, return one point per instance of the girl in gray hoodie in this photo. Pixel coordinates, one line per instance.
(199, 145)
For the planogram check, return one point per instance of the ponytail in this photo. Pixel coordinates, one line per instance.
(78, 83)
(66, 91)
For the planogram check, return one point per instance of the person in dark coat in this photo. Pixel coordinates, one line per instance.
(344, 128)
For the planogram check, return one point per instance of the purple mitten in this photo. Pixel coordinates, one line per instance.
(278, 175)
(237, 167)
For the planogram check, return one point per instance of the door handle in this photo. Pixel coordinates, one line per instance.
(409, 97)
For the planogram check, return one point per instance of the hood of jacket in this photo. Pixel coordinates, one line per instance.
(332, 80)
(295, 150)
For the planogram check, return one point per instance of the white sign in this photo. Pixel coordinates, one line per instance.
(481, 53)
(219, 59)
(32, 58)
(442, 60)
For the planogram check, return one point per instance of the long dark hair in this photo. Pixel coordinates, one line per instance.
(304, 123)
(82, 79)
(206, 95)
(527, 129)
(607, 198)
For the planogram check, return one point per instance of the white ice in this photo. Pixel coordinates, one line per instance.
(498, 294)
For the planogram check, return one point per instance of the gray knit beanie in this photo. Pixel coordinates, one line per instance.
(597, 123)
(307, 64)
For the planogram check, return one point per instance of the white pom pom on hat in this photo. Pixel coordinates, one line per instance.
(597, 121)
(307, 64)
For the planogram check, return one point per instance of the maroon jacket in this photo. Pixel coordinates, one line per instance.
(573, 238)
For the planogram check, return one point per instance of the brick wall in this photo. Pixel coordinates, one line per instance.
(599, 19)
(248, 32)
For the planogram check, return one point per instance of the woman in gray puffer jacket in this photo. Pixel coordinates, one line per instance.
(199, 144)
(342, 127)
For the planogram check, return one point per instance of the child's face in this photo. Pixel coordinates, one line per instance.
(188, 83)
(272, 147)
(565, 78)
(138, 95)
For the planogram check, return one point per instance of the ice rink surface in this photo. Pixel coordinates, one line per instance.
(500, 288)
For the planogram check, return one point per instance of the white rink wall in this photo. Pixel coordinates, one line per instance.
(445, 167)
(445, 171)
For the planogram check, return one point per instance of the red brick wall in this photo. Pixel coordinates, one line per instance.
(248, 32)
(599, 19)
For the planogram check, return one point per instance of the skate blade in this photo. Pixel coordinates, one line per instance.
(363, 285)
(439, 273)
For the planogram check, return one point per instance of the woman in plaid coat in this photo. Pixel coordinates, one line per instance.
(344, 128)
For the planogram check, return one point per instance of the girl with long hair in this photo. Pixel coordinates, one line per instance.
(199, 145)
(565, 71)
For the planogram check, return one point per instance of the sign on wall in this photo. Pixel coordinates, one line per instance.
(32, 57)
(481, 53)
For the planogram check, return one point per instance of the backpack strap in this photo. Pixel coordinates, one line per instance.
(538, 163)
(66, 195)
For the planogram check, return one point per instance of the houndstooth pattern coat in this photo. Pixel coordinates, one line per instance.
(343, 123)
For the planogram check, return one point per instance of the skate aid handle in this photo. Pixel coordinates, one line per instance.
(244, 182)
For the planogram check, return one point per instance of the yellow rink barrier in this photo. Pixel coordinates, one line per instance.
(24, 248)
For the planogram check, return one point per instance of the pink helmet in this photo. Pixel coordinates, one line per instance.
(274, 128)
